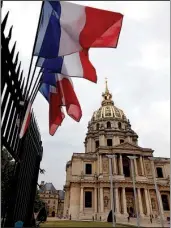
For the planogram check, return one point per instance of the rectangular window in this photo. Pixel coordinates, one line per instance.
(88, 199)
(121, 141)
(88, 169)
(109, 142)
(165, 202)
(97, 144)
(159, 172)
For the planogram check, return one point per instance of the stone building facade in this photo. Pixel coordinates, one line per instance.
(87, 187)
(53, 198)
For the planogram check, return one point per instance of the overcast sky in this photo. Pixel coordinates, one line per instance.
(138, 77)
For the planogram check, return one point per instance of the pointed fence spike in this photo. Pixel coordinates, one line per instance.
(4, 22)
(21, 76)
(18, 70)
(13, 50)
(10, 32)
(16, 59)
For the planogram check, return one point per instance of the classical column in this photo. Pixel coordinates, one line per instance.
(101, 200)
(117, 201)
(124, 201)
(114, 166)
(135, 165)
(82, 199)
(120, 164)
(149, 198)
(95, 199)
(142, 167)
(140, 202)
(147, 202)
(161, 204)
(101, 164)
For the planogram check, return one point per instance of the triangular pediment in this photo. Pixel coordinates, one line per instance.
(129, 146)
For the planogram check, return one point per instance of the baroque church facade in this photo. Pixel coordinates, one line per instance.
(87, 187)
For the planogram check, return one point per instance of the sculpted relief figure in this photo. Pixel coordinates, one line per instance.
(148, 169)
(106, 201)
(153, 203)
(105, 165)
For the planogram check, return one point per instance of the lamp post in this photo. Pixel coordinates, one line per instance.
(111, 188)
(135, 195)
(156, 189)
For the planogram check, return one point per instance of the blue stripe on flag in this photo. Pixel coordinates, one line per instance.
(57, 7)
(48, 78)
(45, 91)
(49, 32)
(53, 65)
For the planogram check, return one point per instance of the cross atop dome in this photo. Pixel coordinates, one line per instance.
(106, 90)
(107, 96)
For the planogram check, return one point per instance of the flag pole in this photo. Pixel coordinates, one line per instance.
(134, 188)
(31, 61)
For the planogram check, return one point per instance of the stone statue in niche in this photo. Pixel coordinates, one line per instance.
(105, 165)
(82, 175)
(106, 201)
(148, 169)
(153, 203)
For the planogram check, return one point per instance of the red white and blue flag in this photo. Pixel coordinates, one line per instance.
(74, 65)
(65, 34)
(60, 95)
(26, 121)
(66, 28)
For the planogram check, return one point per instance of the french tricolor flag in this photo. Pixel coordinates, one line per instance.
(61, 94)
(74, 65)
(66, 28)
(26, 121)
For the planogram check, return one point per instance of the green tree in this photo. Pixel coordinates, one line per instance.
(7, 170)
(38, 203)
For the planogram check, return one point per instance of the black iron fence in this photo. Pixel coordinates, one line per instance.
(27, 151)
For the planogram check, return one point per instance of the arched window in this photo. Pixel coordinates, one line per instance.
(97, 126)
(119, 125)
(108, 125)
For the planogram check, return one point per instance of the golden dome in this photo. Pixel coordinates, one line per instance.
(108, 109)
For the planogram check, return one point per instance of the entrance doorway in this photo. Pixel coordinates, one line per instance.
(109, 218)
(53, 214)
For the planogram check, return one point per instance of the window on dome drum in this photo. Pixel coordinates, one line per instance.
(119, 125)
(88, 199)
(165, 202)
(97, 144)
(109, 142)
(108, 125)
(88, 168)
(159, 172)
(97, 126)
(121, 141)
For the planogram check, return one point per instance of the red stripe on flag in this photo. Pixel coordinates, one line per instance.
(88, 68)
(103, 28)
(69, 98)
(56, 114)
